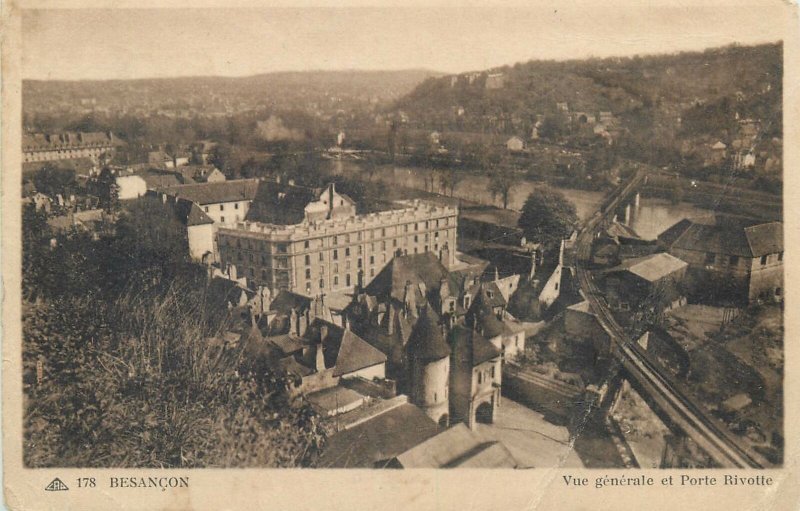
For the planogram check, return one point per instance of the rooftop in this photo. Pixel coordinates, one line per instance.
(456, 447)
(214, 193)
(652, 267)
(379, 439)
(729, 235)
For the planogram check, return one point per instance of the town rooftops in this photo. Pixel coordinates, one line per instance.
(375, 442)
(413, 270)
(729, 236)
(652, 267)
(342, 349)
(215, 193)
(456, 447)
(67, 140)
(280, 204)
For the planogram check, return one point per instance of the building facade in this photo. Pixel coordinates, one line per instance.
(744, 260)
(66, 146)
(334, 249)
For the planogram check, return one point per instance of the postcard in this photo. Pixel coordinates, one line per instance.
(441, 255)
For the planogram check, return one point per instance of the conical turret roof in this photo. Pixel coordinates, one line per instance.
(426, 341)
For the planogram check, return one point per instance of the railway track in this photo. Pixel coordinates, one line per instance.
(683, 411)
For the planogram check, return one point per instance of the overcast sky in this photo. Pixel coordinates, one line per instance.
(121, 43)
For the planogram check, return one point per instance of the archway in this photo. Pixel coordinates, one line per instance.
(485, 413)
(444, 420)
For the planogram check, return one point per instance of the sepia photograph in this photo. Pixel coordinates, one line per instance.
(310, 250)
(541, 238)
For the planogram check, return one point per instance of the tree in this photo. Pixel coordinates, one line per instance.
(552, 127)
(500, 184)
(547, 217)
(106, 189)
(52, 180)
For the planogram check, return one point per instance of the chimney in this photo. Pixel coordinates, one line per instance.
(293, 323)
(533, 265)
(320, 358)
(408, 298)
(390, 325)
(304, 323)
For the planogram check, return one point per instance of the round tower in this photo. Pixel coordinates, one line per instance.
(429, 371)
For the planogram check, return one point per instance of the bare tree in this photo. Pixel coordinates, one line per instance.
(500, 184)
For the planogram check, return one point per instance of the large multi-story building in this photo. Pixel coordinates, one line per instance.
(313, 242)
(66, 146)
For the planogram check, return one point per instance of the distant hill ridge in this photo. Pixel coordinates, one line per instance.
(507, 99)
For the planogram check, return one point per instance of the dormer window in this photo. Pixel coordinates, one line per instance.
(466, 301)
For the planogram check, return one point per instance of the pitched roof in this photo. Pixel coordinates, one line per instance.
(619, 230)
(213, 193)
(285, 301)
(426, 341)
(379, 439)
(288, 343)
(355, 353)
(190, 213)
(487, 455)
(158, 180)
(765, 238)
(729, 236)
(221, 292)
(652, 267)
(452, 448)
(280, 204)
(472, 344)
(414, 269)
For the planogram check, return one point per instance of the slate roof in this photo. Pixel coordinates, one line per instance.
(652, 267)
(288, 343)
(156, 181)
(280, 204)
(342, 349)
(487, 322)
(190, 213)
(221, 292)
(728, 236)
(41, 141)
(487, 455)
(619, 230)
(214, 193)
(454, 447)
(417, 268)
(355, 354)
(378, 440)
(285, 301)
(426, 341)
(472, 344)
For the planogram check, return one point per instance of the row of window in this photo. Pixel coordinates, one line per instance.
(222, 207)
(283, 247)
(733, 260)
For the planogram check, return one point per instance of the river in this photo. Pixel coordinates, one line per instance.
(652, 216)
